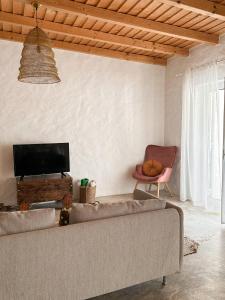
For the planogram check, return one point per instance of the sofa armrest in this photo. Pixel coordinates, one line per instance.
(142, 195)
(181, 214)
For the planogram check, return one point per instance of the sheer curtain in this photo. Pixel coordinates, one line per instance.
(202, 138)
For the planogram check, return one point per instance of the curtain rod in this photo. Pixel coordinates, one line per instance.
(222, 60)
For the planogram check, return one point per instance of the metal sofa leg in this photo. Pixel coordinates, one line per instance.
(164, 281)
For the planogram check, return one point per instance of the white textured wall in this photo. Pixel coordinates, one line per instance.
(108, 110)
(173, 94)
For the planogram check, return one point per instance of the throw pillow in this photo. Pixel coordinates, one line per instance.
(152, 168)
(83, 212)
(22, 221)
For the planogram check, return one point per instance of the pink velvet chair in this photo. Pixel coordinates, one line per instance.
(165, 155)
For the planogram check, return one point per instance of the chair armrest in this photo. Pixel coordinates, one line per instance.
(165, 175)
(139, 169)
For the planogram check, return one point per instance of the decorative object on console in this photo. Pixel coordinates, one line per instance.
(37, 64)
(84, 182)
(87, 190)
(24, 205)
(64, 217)
(64, 213)
(166, 156)
(92, 183)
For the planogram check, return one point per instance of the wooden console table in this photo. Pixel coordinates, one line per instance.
(33, 189)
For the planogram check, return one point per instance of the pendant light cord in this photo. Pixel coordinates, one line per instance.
(36, 18)
(36, 5)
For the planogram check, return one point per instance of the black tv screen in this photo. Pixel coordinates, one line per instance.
(37, 159)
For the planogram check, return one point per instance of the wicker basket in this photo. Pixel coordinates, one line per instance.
(87, 194)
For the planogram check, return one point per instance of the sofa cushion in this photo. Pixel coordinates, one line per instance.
(82, 212)
(22, 221)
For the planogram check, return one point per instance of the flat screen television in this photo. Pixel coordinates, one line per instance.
(37, 159)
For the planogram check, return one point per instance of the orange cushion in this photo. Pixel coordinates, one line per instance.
(152, 168)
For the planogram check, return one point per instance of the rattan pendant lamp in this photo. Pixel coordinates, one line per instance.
(37, 64)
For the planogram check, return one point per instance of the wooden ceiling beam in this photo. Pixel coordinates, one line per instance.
(11, 36)
(92, 35)
(203, 7)
(107, 15)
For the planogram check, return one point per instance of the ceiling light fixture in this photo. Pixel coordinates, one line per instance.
(37, 64)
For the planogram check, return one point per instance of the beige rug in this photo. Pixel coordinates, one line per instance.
(190, 246)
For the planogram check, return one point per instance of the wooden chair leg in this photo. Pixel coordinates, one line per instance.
(146, 187)
(158, 188)
(136, 185)
(155, 194)
(169, 190)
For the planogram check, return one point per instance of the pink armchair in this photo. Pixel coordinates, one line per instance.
(165, 155)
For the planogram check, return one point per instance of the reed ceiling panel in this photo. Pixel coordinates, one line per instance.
(118, 36)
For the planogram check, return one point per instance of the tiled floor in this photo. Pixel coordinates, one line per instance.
(203, 274)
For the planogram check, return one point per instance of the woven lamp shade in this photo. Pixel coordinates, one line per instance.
(37, 64)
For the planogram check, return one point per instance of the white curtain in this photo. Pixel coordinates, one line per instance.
(202, 138)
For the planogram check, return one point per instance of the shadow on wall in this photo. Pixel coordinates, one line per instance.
(117, 184)
(7, 179)
(128, 173)
(125, 178)
(129, 176)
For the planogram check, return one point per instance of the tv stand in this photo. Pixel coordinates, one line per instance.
(43, 188)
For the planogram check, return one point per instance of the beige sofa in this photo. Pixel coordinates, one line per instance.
(88, 259)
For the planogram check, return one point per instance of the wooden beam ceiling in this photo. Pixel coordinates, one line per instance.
(92, 35)
(89, 50)
(203, 7)
(97, 13)
(149, 34)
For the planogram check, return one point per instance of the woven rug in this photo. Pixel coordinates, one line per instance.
(190, 246)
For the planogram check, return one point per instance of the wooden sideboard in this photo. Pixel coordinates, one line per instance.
(33, 189)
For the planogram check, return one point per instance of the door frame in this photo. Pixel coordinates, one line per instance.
(223, 166)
